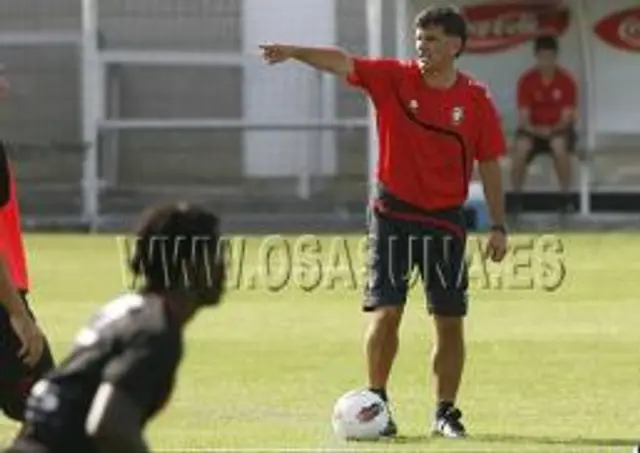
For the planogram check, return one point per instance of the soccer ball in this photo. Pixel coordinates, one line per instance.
(359, 415)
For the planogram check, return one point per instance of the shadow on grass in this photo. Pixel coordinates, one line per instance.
(525, 440)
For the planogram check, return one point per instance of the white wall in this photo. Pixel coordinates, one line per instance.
(616, 75)
(288, 92)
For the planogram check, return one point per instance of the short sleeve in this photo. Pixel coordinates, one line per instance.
(145, 370)
(491, 140)
(374, 75)
(523, 95)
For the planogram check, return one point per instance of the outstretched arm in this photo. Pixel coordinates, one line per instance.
(9, 297)
(491, 176)
(331, 60)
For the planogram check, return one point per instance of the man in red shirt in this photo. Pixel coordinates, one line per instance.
(434, 123)
(25, 355)
(547, 99)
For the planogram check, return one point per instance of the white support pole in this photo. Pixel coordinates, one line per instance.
(111, 155)
(293, 93)
(92, 110)
(327, 162)
(374, 46)
(402, 25)
(590, 123)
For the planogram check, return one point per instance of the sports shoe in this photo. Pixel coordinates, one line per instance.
(449, 425)
(567, 206)
(391, 430)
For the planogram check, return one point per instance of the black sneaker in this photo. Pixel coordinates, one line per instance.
(449, 425)
(391, 430)
(567, 206)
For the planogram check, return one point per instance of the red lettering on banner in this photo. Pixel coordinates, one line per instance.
(494, 27)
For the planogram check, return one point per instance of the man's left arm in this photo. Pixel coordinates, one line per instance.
(491, 176)
(490, 148)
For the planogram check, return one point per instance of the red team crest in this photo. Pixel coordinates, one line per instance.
(621, 29)
(499, 26)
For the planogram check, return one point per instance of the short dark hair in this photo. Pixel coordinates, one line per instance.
(177, 246)
(447, 17)
(546, 42)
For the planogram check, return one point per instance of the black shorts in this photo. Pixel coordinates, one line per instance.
(432, 242)
(540, 145)
(16, 378)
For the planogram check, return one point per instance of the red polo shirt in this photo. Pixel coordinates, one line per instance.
(546, 100)
(428, 138)
(11, 244)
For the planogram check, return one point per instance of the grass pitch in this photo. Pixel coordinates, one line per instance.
(546, 371)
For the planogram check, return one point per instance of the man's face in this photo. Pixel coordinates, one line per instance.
(546, 59)
(435, 49)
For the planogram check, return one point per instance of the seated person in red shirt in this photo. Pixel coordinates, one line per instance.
(547, 98)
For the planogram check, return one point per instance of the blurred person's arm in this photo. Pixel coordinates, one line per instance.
(524, 122)
(524, 100)
(23, 325)
(25, 328)
(567, 119)
(569, 114)
(10, 299)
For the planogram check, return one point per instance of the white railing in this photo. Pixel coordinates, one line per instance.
(96, 123)
(42, 39)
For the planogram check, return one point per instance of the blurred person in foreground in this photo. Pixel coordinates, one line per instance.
(434, 124)
(122, 369)
(25, 355)
(547, 106)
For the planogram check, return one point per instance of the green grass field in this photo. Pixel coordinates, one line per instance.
(546, 371)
